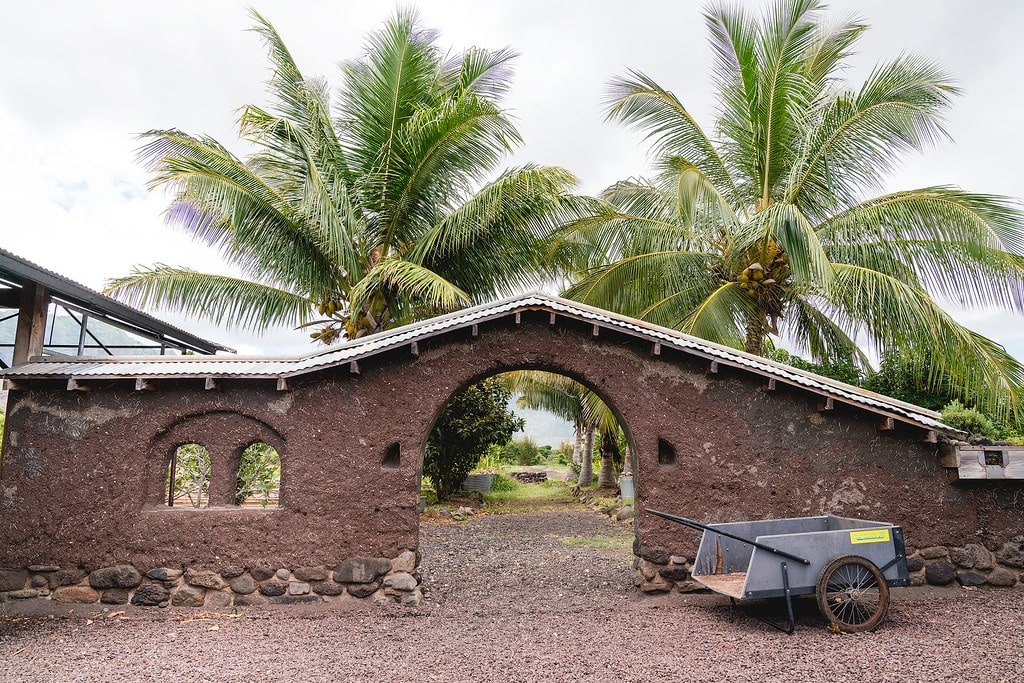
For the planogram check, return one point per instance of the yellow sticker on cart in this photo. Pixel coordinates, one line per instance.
(869, 536)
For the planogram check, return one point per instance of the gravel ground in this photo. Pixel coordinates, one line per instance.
(507, 599)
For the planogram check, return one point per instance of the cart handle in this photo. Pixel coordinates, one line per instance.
(703, 527)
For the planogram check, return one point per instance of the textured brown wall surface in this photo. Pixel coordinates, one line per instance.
(82, 477)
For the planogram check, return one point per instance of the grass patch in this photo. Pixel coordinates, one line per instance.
(619, 544)
(515, 497)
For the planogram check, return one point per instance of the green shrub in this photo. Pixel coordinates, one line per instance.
(522, 451)
(977, 425)
(503, 483)
(563, 454)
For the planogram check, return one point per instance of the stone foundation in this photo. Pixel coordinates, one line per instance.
(970, 566)
(362, 578)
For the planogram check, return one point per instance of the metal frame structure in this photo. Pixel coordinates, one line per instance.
(25, 288)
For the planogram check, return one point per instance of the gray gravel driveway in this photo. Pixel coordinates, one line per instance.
(508, 598)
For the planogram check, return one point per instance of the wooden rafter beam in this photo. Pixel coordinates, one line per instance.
(75, 385)
(143, 384)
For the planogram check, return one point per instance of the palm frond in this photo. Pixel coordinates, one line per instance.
(497, 241)
(861, 137)
(655, 286)
(547, 391)
(222, 299)
(413, 281)
(448, 149)
(787, 226)
(895, 316)
(963, 246)
(721, 317)
(223, 203)
(814, 332)
(640, 103)
(487, 73)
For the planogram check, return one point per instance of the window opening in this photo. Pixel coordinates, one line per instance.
(666, 453)
(259, 477)
(188, 477)
(392, 459)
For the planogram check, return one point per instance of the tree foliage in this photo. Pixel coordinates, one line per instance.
(191, 475)
(976, 425)
(770, 226)
(361, 213)
(905, 378)
(475, 419)
(841, 369)
(259, 474)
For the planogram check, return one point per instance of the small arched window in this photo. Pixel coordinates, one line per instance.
(188, 477)
(259, 476)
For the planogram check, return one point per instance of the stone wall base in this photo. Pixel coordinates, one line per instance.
(363, 578)
(969, 566)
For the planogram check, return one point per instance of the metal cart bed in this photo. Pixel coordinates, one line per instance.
(848, 564)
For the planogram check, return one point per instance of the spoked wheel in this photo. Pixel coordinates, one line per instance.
(852, 594)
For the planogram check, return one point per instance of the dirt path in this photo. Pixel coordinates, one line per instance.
(523, 597)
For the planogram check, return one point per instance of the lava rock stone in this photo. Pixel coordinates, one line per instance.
(273, 588)
(114, 596)
(120, 576)
(150, 595)
(262, 573)
(362, 569)
(243, 584)
(970, 578)
(940, 573)
(327, 588)
(363, 590)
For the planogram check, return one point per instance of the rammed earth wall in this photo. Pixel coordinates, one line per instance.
(82, 479)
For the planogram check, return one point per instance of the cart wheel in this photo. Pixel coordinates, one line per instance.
(852, 594)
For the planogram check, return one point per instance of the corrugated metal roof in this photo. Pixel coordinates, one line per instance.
(267, 367)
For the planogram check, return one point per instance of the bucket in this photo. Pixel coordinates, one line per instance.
(626, 486)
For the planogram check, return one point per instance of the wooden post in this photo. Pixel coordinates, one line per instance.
(28, 340)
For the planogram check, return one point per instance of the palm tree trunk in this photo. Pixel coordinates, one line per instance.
(609, 451)
(754, 342)
(577, 447)
(587, 464)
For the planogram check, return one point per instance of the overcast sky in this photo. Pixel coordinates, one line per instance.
(80, 80)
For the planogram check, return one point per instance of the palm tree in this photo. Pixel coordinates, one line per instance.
(769, 227)
(368, 219)
(570, 400)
